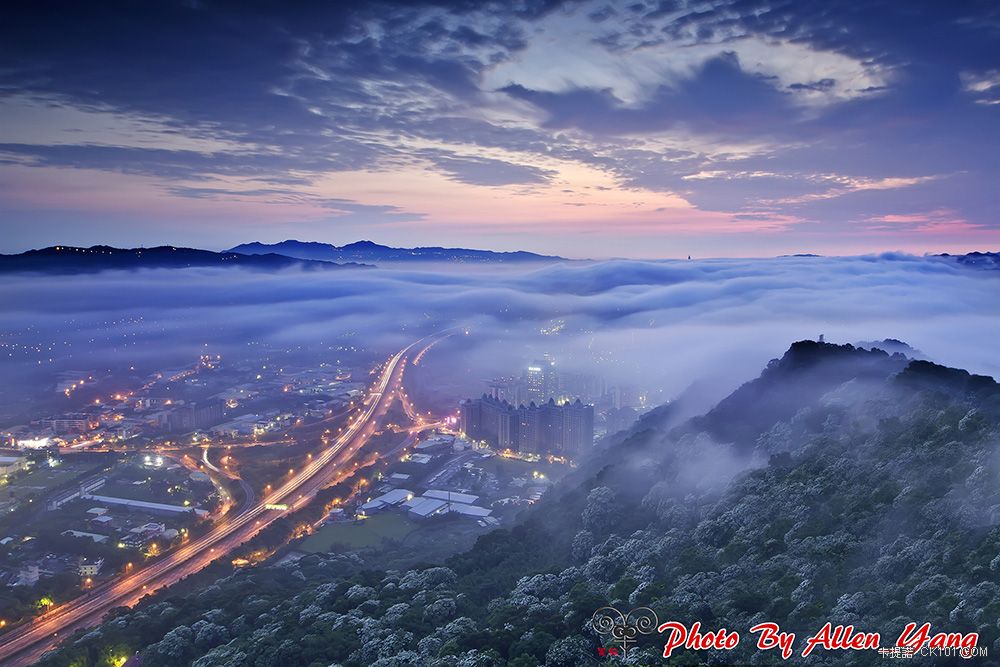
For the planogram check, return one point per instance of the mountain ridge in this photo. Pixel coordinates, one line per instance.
(985, 260)
(369, 251)
(63, 259)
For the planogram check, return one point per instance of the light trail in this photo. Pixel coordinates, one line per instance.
(24, 645)
(204, 457)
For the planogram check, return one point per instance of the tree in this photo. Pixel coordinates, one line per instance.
(601, 511)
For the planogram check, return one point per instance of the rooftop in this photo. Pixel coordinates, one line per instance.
(451, 496)
(424, 507)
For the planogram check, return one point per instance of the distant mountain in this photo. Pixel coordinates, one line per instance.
(891, 345)
(367, 251)
(979, 260)
(69, 259)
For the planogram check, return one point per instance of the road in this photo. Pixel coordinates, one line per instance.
(24, 645)
(247, 491)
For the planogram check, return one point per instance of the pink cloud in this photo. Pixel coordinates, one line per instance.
(938, 221)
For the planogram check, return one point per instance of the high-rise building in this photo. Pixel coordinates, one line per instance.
(548, 428)
(529, 427)
(552, 437)
(489, 419)
(625, 397)
(510, 389)
(535, 380)
(584, 386)
(578, 428)
(470, 417)
(541, 380)
(195, 416)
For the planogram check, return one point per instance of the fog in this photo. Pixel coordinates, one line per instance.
(662, 324)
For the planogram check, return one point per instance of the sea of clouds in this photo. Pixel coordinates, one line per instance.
(655, 323)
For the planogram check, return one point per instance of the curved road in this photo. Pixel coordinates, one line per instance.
(248, 494)
(26, 644)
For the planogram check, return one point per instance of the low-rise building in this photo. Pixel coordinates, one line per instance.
(96, 537)
(434, 503)
(394, 497)
(12, 464)
(75, 422)
(451, 496)
(422, 508)
(469, 510)
(90, 567)
(149, 529)
(79, 491)
(435, 442)
(146, 505)
(28, 575)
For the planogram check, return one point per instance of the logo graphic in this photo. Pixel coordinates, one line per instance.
(624, 628)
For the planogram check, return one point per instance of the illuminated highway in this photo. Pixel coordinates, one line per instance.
(24, 645)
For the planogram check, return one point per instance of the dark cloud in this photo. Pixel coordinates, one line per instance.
(819, 86)
(299, 91)
(603, 14)
(167, 164)
(342, 209)
(286, 82)
(704, 101)
(485, 171)
(894, 33)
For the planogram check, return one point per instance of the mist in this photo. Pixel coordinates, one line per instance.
(663, 325)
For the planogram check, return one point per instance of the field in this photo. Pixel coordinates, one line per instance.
(123, 489)
(40, 480)
(367, 533)
(507, 469)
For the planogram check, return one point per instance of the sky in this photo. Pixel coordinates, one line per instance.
(731, 128)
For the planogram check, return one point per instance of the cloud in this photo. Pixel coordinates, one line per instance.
(338, 208)
(487, 171)
(700, 101)
(729, 175)
(981, 82)
(845, 185)
(162, 163)
(658, 324)
(534, 97)
(983, 86)
(939, 221)
(633, 57)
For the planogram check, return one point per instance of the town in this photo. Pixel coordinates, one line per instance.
(128, 475)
